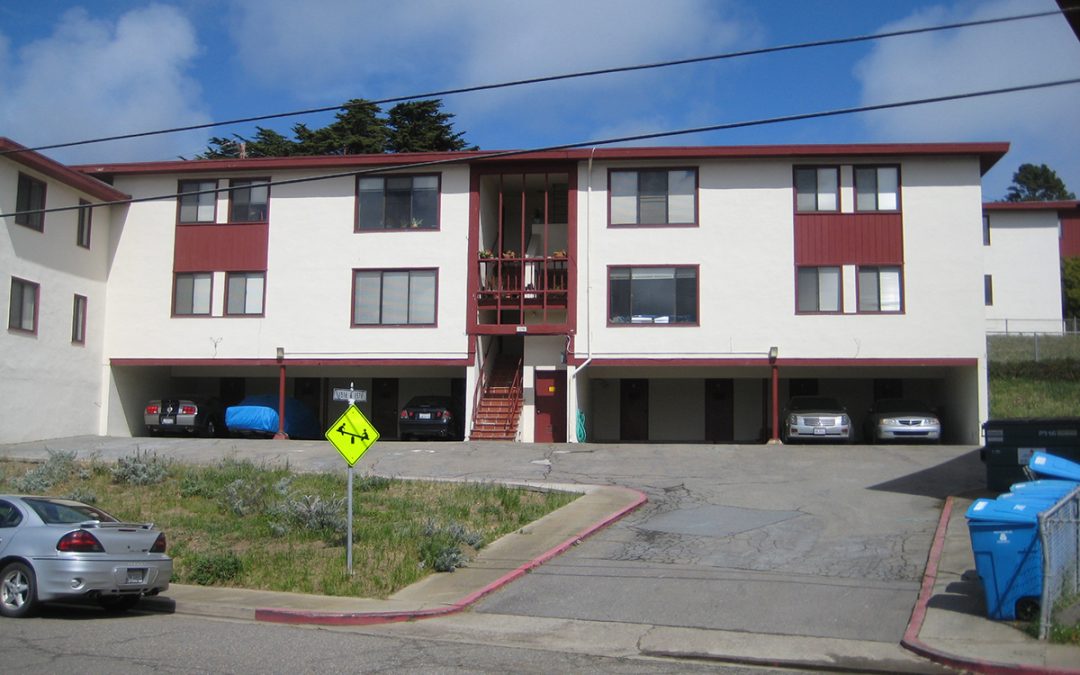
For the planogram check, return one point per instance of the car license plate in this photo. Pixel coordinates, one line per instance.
(136, 575)
(819, 431)
(167, 420)
(424, 416)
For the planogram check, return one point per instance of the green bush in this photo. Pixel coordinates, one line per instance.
(1061, 370)
(59, 467)
(213, 568)
(142, 468)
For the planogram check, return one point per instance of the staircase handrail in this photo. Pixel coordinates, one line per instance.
(481, 381)
(516, 392)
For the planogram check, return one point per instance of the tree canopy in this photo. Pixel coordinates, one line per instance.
(1037, 184)
(358, 128)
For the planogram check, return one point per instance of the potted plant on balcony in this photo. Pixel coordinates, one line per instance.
(559, 253)
(486, 254)
(509, 253)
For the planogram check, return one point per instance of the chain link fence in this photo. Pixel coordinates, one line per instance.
(1032, 347)
(1059, 533)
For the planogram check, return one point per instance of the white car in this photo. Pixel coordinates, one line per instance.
(60, 549)
(817, 418)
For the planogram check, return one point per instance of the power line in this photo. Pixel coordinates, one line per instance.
(566, 76)
(727, 126)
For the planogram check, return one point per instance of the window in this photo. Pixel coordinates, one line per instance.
(249, 200)
(30, 197)
(818, 289)
(654, 197)
(817, 188)
(397, 202)
(82, 235)
(664, 295)
(988, 290)
(986, 230)
(23, 305)
(192, 294)
(78, 320)
(198, 204)
(244, 292)
(394, 297)
(880, 289)
(877, 188)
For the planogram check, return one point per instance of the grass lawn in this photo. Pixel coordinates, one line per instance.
(1030, 389)
(237, 524)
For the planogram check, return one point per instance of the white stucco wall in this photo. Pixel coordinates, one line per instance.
(1023, 261)
(51, 387)
(312, 252)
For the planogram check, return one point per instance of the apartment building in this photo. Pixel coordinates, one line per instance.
(674, 294)
(1023, 244)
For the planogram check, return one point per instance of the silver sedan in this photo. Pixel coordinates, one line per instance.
(816, 418)
(60, 549)
(894, 419)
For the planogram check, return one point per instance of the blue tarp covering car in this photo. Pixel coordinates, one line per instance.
(259, 415)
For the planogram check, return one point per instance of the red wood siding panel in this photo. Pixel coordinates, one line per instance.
(849, 239)
(1070, 233)
(221, 247)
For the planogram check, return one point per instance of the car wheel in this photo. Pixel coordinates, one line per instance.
(118, 603)
(18, 590)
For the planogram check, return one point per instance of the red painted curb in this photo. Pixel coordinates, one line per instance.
(911, 640)
(299, 616)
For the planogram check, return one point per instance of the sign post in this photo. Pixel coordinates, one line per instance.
(352, 434)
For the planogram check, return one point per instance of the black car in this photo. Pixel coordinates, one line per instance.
(430, 417)
(183, 415)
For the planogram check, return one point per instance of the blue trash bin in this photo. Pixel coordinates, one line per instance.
(1008, 555)
(1047, 486)
(1052, 466)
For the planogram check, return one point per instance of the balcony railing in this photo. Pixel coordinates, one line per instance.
(508, 283)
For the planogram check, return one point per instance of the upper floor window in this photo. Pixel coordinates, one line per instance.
(82, 234)
(192, 294)
(29, 198)
(877, 188)
(654, 197)
(988, 290)
(817, 188)
(23, 306)
(651, 295)
(198, 201)
(78, 320)
(244, 292)
(819, 289)
(249, 200)
(880, 289)
(394, 297)
(397, 202)
(986, 230)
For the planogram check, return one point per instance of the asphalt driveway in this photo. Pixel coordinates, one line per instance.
(823, 541)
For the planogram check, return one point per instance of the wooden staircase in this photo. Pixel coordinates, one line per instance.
(499, 408)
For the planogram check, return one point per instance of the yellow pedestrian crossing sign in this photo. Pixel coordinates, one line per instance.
(352, 434)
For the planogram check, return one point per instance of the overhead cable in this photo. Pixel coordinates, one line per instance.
(554, 78)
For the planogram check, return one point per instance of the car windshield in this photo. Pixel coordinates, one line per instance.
(56, 511)
(898, 405)
(814, 403)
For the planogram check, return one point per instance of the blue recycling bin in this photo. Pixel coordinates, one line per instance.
(1047, 486)
(1052, 466)
(1008, 555)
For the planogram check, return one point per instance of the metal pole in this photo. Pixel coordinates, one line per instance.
(348, 544)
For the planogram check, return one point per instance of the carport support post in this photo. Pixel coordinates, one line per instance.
(773, 353)
(280, 435)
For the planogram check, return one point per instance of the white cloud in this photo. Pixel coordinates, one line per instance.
(333, 50)
(972, 59)
(93, 78)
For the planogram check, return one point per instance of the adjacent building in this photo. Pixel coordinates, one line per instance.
(608, 294)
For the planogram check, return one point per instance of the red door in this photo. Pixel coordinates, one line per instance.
(550, 406)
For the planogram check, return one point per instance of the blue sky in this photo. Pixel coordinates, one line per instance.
(74, 70)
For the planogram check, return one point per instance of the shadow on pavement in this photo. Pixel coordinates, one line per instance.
(957, 476)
